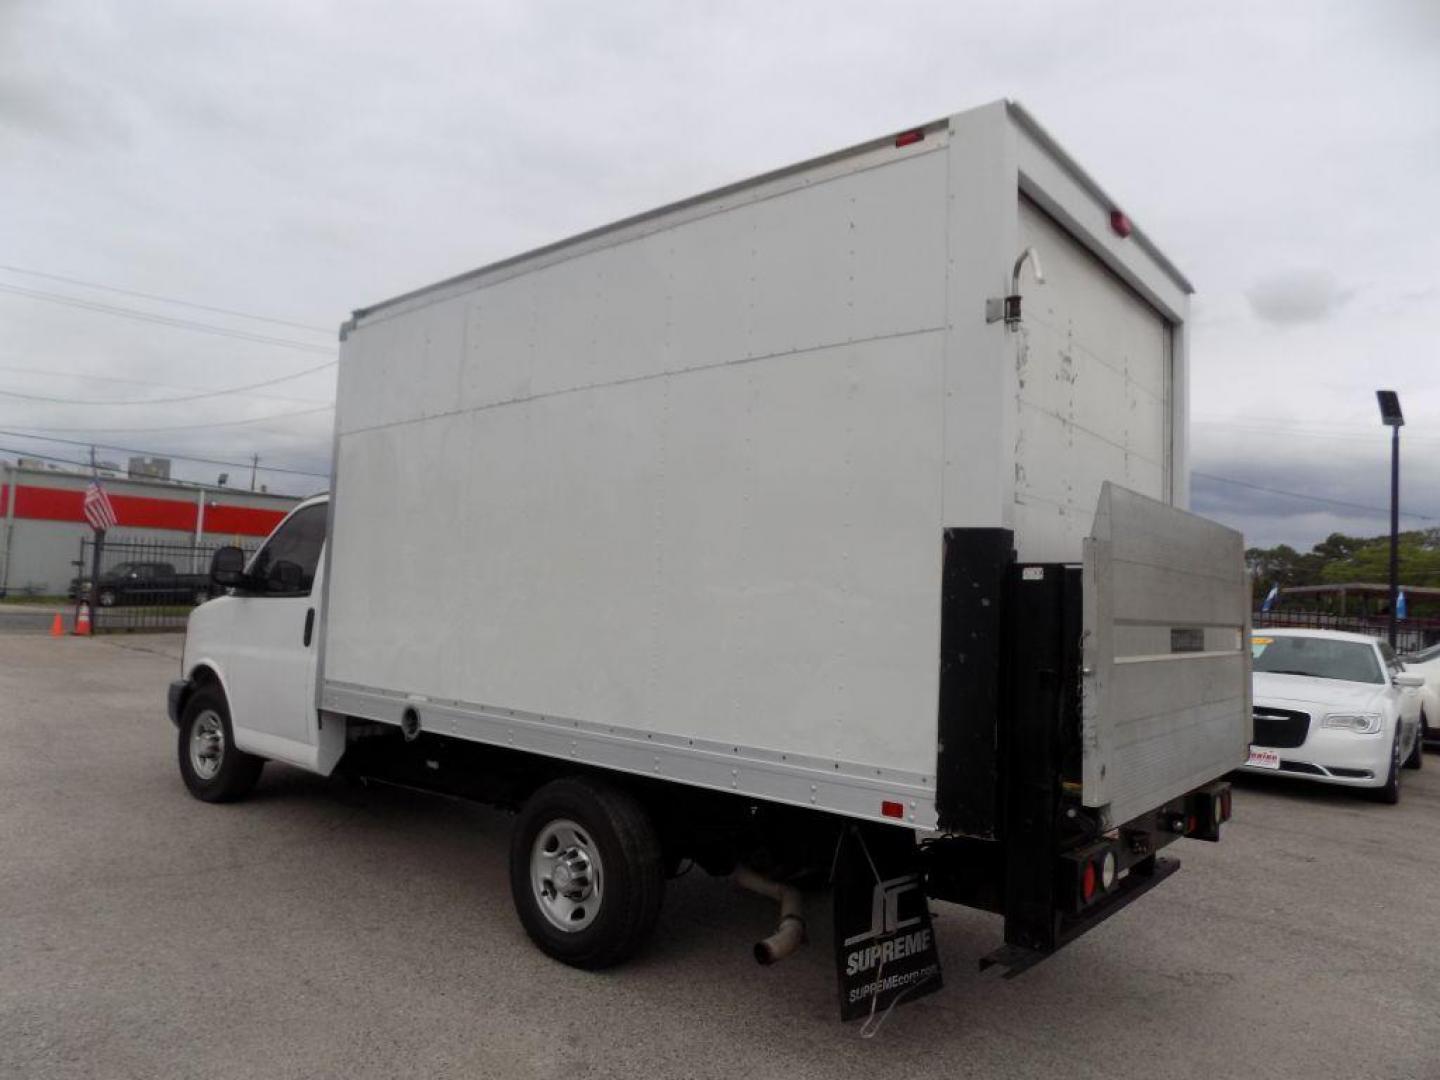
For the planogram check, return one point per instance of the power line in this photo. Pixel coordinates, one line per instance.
(86, 464)
(1309, 498)
(90, 377)
(167, 300)
(149, 453)
(162, 401)
(187, 427)
(1307, 433)
(165, 320)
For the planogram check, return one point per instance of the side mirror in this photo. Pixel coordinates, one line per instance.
(227, 567)
(1408, 681)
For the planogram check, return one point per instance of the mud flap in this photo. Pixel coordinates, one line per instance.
(885, 950)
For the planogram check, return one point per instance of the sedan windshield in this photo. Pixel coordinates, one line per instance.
(1324, 658)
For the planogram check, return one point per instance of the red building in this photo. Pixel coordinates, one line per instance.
(44, 521)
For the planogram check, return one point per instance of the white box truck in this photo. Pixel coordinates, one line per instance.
(831, 519)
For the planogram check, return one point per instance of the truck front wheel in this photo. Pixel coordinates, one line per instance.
(586, 872)
(212, 766)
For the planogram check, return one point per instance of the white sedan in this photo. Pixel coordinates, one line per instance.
(1334, 707)
(1426, 663)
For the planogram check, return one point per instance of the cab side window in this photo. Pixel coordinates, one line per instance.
(286, 565)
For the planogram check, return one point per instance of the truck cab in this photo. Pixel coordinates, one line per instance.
(250, 661)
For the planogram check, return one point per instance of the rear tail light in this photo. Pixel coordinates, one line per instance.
(1205, 811)
(1096, 871)
(908, 137)
(1107, 871)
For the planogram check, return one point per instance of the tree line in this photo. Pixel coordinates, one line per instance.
(1339, 559)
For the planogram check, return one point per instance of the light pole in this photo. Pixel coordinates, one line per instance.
(1394, 419)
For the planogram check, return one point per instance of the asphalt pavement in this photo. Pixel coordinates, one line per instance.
(318, 930)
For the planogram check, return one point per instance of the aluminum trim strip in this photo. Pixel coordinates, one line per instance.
(844, 788)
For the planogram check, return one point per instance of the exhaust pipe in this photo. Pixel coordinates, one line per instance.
(790, 934)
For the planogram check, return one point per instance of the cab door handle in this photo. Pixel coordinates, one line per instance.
(309, 625)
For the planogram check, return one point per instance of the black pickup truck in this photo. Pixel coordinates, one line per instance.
(135, 583)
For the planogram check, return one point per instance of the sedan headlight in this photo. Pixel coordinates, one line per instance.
(1360, 723)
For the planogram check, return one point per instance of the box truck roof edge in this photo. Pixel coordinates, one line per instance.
(578, 241)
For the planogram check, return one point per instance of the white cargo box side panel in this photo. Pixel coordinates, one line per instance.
(590, 492)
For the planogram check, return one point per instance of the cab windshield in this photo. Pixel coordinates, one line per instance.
(1323, 658)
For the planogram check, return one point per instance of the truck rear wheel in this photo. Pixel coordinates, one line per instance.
(212, 766)
(586, 872)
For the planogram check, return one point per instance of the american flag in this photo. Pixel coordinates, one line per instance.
(98, 510)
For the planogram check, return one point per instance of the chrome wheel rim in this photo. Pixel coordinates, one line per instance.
(566, 875)
(207, 744)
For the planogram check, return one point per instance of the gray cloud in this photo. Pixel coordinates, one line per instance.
(1293, 489)
(1297, 296)
(303, 159)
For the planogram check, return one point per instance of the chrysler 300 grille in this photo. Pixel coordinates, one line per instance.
(1280, 728)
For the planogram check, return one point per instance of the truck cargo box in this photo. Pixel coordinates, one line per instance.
(725, 493)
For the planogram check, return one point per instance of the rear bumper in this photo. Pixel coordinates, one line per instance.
(1094, 880)
(1016, 959)
(175, 699)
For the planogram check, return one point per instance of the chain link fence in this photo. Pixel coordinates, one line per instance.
(144, 584)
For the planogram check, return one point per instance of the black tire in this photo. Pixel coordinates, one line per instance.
(628, 883)
(1389, 794)
(106, 598)
(235, 772)
(1416, 760)
(1427, 737)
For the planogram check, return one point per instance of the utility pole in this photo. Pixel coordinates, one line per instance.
(254, 464)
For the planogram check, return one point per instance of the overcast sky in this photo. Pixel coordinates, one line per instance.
(296, 160)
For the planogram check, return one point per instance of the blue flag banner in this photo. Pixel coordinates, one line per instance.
(1401, 608)
(1270, 597)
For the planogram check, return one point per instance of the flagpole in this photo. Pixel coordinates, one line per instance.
(99, 544)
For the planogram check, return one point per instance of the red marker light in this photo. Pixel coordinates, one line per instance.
(892, 809)
(1087, 883)
(1120, 224)
(909, 137)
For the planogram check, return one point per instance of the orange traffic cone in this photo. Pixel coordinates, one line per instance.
(57, 628)
(82, 621)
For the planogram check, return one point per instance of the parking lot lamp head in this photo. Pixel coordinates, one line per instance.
(1390, 414)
